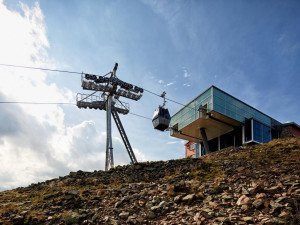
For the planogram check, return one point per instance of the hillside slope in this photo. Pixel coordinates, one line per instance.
(254, 184)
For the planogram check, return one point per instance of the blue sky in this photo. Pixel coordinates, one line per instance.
(250, 49)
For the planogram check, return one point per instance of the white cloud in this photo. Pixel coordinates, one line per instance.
(186, 74)
(170, 83)
(35, 141)
(163, 8)
(187, 85)
(140, 157)
(172, 142)
(160, 81)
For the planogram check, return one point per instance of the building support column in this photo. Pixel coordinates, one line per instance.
(243, 134)
(205, 141)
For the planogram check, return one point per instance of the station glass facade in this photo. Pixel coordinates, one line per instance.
(189, 113)
(236, 109)
(256, 126)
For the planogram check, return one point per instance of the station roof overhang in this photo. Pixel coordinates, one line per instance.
(215, 124)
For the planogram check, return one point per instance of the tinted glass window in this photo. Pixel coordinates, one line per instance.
(248, 131)
(261, 132)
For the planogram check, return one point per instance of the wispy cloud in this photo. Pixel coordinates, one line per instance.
(161, 81)
(36, 142)
(187, 85)
(170, 83)
(172, 142)
(186, 74)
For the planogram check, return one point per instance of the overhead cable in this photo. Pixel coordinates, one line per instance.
(39, 103)
(74, 72)
(167, 98)
(60, 103)
(39, 68)
(140, 116)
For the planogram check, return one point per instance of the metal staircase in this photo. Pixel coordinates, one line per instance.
(123, 135)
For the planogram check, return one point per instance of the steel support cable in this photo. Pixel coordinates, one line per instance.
(39, 103)
(66, 103)
(167, 98)
(74, 72)
(61, 103)
(45, 69)
(39, 68)
(140, 116)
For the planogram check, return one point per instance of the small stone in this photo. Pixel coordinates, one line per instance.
(275, 208)
(189, 198)
(200, 195)
(140, 219)
(280, 199)
(149, 205)
(95, 217)
(100, 192)
(141, 202)
(297, 192)
(243, 200)
(114, 222)
(207, 199)
(274, 190)
(277, 220)
(178, 187)
(244, 191)
(257, 189)
(240, 169)
(137, 167)
(223, 219)
(226, 197)
(23, 212)
(284, 214)
(196, 217)
(151, 215)
(118, 203)
(155, 208)
(177, 198)
(207, 213)
(131, 220)
(260, 195)
(72, 218)
(162, 204)
(124, 215)
(248, 219)
(258, 204)
(213, 204)
(244, 208)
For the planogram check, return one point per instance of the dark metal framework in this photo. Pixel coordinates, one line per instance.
(112, 89)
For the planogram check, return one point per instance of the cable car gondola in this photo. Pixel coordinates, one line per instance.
(161, 117)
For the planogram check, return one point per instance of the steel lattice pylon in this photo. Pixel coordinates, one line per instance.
(112, 88)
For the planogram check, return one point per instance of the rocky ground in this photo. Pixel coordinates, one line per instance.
(257, 184)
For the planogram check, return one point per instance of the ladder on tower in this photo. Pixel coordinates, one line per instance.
(123, 135)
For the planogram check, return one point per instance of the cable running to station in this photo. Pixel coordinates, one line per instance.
(39, 68)
(74, 72)
(39, 103)
(60, 103)
(66, 103)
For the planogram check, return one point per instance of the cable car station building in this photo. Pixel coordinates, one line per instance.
(215, 120)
